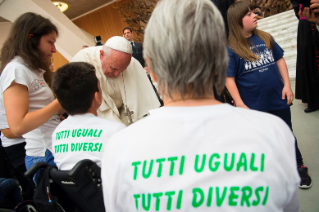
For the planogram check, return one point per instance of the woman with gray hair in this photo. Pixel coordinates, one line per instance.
(203, 155)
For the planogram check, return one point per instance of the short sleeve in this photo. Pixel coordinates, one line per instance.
(14, 72)
(278, 52)
(232, 68)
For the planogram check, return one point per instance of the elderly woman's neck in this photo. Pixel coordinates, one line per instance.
(188, 101)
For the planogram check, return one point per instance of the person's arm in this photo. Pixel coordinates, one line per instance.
(16, 103)
(233, 90)
(286, 91)
(8, 134)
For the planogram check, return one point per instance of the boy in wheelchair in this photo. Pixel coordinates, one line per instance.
(77, 145)
(82, 135)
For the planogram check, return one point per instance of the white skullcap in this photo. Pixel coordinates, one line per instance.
(120, 44)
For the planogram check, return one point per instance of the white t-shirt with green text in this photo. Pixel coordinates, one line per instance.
(81, 137)
(207, 158)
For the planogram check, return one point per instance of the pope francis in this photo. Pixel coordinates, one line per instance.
(126, 91)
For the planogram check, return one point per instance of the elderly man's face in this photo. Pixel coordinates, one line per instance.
(114, 63)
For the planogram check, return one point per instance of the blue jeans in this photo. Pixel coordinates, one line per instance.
(9, 193)
(30, 160)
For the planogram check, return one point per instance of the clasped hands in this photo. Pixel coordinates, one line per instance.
(312, 12)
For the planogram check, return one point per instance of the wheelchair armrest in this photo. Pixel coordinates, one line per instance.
(79, 167)
(34, 168)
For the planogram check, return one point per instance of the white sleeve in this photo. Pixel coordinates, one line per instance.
(14, 72)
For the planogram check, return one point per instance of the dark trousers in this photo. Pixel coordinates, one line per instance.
(26, 184)
(285, 115)
(10, 193)
(16, 155)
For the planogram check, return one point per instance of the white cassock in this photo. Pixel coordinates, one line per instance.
(135, 88)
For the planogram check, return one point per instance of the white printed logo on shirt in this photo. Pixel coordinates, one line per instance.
(266, 59)
(37, 83)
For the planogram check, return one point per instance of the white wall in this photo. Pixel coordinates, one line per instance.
(71, 38)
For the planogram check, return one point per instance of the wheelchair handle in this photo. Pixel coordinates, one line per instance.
(34, 168)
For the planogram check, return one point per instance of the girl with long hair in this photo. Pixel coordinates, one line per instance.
(257, 74)
(25, 84)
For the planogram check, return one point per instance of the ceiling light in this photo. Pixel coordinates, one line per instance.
(62, 5)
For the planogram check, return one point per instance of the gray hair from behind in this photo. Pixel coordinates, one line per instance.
(185, 42)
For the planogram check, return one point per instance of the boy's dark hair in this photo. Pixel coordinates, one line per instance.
(127, 28)
(75, 85)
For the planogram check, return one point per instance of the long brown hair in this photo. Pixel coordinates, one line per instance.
(236, 40)
(18, 43)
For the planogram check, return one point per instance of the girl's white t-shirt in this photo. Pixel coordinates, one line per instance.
(40, 95)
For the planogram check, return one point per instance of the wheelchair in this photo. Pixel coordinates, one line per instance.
(78, 190)
(24, 206)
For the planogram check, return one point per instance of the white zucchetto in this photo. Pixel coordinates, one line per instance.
(120, 44)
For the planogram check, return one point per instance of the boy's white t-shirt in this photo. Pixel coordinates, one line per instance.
(208, 158)
(81, 137)
(40, 95)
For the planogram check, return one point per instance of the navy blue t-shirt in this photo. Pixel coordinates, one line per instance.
(259, 83)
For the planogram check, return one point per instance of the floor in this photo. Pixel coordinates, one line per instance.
(306, 130)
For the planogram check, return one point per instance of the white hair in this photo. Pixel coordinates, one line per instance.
(185, 42)
(107, 51)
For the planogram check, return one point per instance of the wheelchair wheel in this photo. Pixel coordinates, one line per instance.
(26, 206)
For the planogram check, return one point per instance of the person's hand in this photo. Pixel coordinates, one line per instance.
(314, 6)
(312, 13)
(286, 91)
(311, 16)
